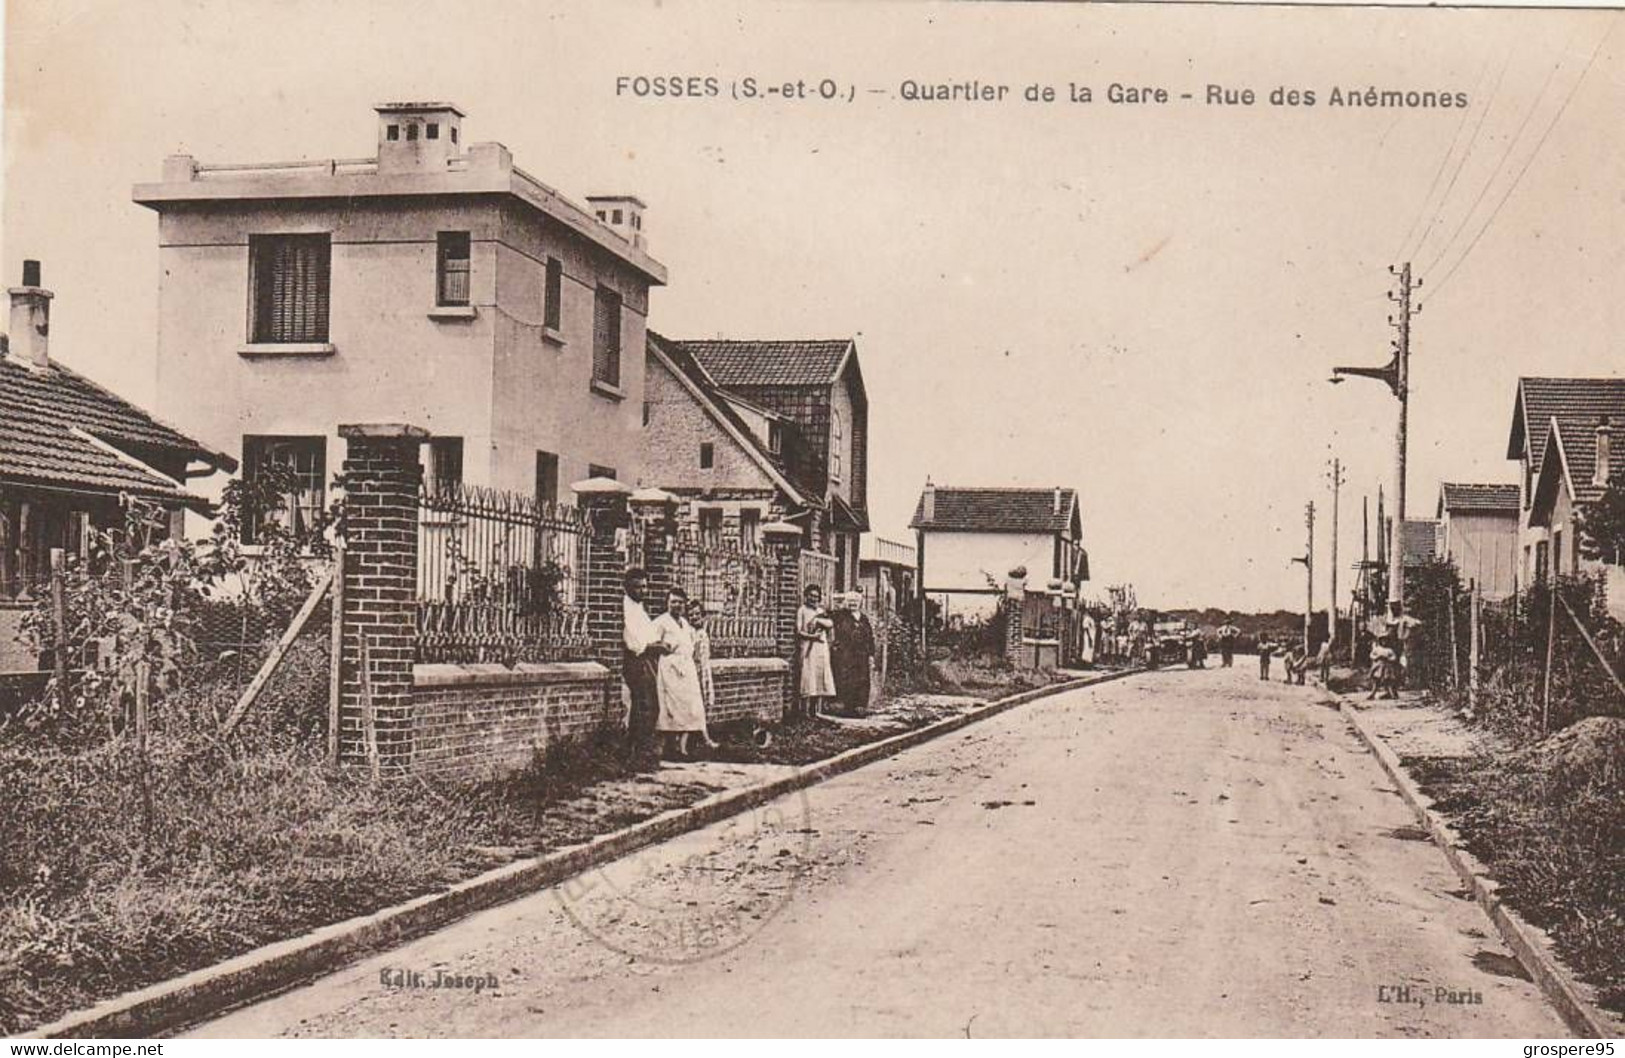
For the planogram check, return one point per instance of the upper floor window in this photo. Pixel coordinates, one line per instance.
(775, 437)
(432, 130)
(835, 445)
(287, 484)
(606, 337)
(553, 294)
(711, 525)
(289, 276)
(750, 526)
(708, 455)
(452, 268)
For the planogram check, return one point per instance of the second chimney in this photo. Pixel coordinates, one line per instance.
(928, 503)
(1057, 499)
(1605, 445)
(30, 339)
(622, 214)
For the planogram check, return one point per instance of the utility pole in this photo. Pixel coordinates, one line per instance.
(1337, 485)
(1397, 375)
(1308, 561)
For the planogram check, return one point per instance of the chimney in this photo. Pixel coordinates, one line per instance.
(418, 137)
(1057, 509)
(928, 505)
(622, 214)
(29, 342)
(1599, 474)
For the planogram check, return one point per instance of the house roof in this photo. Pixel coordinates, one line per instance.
(1576, 463)
(720, 405)
(771, 363)
(1575, 402)
(63, 430)
(1459, 497)
(998, 510)
(1419, 540)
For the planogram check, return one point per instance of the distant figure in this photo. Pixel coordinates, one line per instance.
(1228, 633)
(1266, 650)
(1407, 644)
(1324, 661)
(702, 662)
(812, 633)
(851, 649)
(1385, 667)
(1296, 664)
(1197, 652)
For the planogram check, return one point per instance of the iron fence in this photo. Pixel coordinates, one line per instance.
(735, 586)
(818, 568)
(501, 577)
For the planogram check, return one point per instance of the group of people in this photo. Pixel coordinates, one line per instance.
(834, 647)
(1395, 646)
(665, 671)
(666, 665)
(1296, 661)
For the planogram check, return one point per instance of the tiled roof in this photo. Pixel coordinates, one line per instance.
(770, 363)
(1579, 441)
(47, 415)
(1462, 496)
(1575, 402)
(721, 403)
(1419, 541)
(1000, 510)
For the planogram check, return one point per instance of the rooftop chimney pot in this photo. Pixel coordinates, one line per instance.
(928, 512)
(1605, 454)
(29, 340)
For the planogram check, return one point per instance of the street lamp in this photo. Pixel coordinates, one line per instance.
(1396, 374)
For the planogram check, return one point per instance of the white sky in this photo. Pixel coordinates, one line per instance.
(1141, 302)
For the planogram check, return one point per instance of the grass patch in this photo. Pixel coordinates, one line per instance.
(1551, 829)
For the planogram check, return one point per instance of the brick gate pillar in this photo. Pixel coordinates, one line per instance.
(783, 541)
(654, 512)
(379, 619)
(604, 503)
(1014, 602)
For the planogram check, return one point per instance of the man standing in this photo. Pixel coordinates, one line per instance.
(1227, 643)
(1407, 641)
(1266, 650)
(640, 656)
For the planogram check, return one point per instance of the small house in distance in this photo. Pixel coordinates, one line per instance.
(967, 540)
(886, 573)
(1478, 532)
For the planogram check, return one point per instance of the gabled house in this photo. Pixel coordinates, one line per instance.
(1562, 438)
(721, 455)
(967, 540)
(804, 407)
(435, 283)
(72, 455)
(1478, 532)
(1419, 541)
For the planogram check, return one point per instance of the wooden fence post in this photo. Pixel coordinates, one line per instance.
(335, 664)
(1551, 642)
(59, 616)
(1473, 631)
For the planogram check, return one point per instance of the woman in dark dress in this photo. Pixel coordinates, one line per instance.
(852, 645)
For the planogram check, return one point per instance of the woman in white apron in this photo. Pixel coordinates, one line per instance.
(682, 703)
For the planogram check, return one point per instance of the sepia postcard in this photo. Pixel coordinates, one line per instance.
(810, 519)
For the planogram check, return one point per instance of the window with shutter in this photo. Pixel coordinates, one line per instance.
(606, 337)
(552, 307)
(290, 276)
(452, 272)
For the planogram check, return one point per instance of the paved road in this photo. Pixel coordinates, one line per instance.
(1180, 853)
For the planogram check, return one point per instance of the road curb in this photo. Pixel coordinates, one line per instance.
(1527, 944)
(259, 974)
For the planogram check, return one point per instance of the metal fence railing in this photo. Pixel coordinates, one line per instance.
(735, 586)
(817, 568)
(501, 577)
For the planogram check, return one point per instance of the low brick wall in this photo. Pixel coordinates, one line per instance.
(749, 689)
(473, 719)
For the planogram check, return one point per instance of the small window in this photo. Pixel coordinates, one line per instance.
(444, 471)
(775, 437)
(547, 477)
(648, 412)
(411, 130)
(711, 524)
(553, 294)
(594, 470)
(454, 134)
(288, 277)
(392, 132)
(617, 217)
(303, 465)
(602, 216)
(835, 445)
(708, 455)
(750, 528)
(606, 337)
(451, 283)
(431, 131)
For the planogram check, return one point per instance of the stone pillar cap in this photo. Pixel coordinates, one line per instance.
(652, 495)
(780, 529)
(601, 487)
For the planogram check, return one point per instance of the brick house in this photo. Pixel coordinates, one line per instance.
(968, 539)
(72, 455)
(760, 430)
(1562, 438)
(434, 283)
(1478, 531)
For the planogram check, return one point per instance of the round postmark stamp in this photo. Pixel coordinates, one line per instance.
(699, 895)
